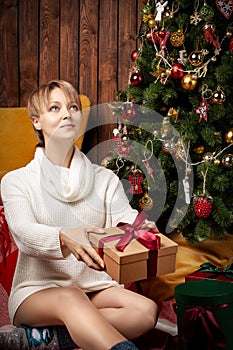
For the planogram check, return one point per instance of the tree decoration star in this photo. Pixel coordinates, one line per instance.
(195, 18)
(202, 109)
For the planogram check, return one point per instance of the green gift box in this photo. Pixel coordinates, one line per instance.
(204, 315)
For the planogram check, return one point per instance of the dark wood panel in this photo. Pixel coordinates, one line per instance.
(108, 51)
(69, 41)
(126, 39)
(28, 47)
(9, 73)
(49, 40)
(88, 60)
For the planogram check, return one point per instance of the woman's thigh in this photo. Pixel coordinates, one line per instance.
(116, 297)
(47, 307)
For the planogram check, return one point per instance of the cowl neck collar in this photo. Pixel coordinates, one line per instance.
(66, 184)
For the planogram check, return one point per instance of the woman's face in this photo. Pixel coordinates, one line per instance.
(60, 120)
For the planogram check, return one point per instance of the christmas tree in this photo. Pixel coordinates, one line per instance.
(182, 70)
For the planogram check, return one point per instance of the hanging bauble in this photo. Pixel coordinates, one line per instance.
(136, 79)
(202, 206)
(196, 58)
(228, 136)
(134, 55)
(206, 12)
(146, 202)
(199, 149)
(151, 23)
(208, 157)
(227, 160)
(177, 38)
(177, 71)
(218, 96)
(173, 113)
(105, 162)
(217, 162)
(189, 81)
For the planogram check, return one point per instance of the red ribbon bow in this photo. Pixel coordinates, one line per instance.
(200, 330)
(145, 236)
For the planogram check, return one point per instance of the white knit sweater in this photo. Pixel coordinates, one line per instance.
(41, 198)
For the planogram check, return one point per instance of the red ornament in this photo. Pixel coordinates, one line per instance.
(202, 206)
(202, 110)
(129, 114)
(136, 179)
(209, 35)
(136, 79)
(177, 71)
(134, 55)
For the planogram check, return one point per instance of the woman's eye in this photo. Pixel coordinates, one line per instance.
(54, 108)
(74, 108)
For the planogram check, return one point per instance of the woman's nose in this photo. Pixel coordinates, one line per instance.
(67, 114)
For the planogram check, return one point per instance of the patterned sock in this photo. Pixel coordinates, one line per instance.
(124, 345)
(41, 337)
(13, 339)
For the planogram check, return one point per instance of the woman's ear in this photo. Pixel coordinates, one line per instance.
(36, 123)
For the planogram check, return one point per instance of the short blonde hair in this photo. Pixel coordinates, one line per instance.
(38, 100)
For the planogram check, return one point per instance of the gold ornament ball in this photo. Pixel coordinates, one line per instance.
(199, 149)
(189, 81)
(217, 162)
(151, 23)
(227, 160)
(146, 202)
(218, 96)
(229, 136)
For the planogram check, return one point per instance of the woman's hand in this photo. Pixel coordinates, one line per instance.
(75, 241)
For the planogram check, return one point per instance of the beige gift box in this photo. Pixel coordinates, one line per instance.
(136, 261)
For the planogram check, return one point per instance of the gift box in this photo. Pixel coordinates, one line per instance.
(135, 256)
(204, 311)
(210, 271)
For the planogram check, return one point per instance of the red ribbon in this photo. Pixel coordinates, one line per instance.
(145, 236)
(200, 330)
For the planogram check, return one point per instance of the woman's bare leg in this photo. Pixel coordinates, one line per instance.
(130, 313)
(71, 307)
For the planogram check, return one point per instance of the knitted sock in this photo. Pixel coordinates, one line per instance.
(124, 345)
(41, 337)
(13, 339)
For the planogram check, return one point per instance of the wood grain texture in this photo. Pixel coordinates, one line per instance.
(126, 39)
(9, 89)
(69, 41)
(49, 40)
(28, 48)
(88, 55)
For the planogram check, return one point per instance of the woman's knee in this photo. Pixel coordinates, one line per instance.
(71, 295)
(147, 310)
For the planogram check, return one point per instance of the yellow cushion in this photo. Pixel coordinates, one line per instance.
(219, 252)
(18, 139)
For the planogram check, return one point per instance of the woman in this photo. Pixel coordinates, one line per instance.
(51, 205)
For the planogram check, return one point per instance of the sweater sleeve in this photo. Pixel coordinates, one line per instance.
(31, 237)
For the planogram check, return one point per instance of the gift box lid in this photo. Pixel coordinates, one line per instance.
(204, 293)
(167, 246)
(134, 251)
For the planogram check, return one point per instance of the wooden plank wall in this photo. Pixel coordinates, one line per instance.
(87, 42)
